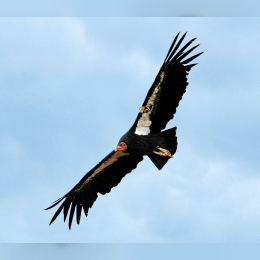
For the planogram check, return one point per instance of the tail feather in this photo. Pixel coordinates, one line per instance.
(171, 138)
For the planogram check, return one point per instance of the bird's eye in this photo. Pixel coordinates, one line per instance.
(123, 145)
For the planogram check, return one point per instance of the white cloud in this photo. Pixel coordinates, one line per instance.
(43, 54)
(138, 62)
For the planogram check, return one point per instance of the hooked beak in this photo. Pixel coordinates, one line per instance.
(121, 147)
(118, 148)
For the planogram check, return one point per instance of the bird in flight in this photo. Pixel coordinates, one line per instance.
(145, 137)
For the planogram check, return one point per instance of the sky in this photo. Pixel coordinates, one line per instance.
(129, 251)
(127, 8)
(71, 87)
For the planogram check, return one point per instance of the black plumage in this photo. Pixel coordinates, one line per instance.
(145, 137)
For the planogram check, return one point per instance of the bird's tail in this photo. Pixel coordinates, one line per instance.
(171, 138)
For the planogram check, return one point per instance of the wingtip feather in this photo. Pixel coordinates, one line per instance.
(72, 209)
(57, 213)
(172, 52)
(172, 45)
(191, 58)
(55, 203)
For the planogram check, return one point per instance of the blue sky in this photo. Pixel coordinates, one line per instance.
(127, 8)
(129, 251)
(71, 87)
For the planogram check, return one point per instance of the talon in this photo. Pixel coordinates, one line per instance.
(163, 152)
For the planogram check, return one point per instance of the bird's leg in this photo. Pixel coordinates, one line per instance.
(163, 152)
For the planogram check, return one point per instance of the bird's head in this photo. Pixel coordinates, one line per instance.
(121, 147)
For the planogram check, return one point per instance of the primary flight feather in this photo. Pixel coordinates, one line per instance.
(145, 137)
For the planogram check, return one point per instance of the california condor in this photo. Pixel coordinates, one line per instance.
(143, 138)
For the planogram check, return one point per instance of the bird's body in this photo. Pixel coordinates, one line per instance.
(143, 145)
(144, 138)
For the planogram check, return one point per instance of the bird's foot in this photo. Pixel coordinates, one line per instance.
(163, 152)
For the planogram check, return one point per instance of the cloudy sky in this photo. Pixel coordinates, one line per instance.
(130, 251)
(71, 87)
(128, 8)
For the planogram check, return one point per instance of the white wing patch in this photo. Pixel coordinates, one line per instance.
(144, 122)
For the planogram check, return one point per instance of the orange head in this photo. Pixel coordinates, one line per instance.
(121, 147)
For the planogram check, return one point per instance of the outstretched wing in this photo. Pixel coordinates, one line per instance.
(101, 179)
(164, 95)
